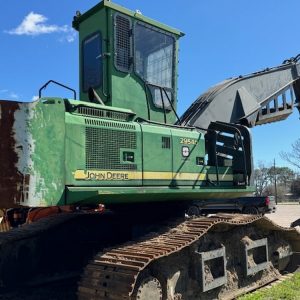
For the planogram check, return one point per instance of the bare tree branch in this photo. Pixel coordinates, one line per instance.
(261, 178)
(264, 179)
(293, 157)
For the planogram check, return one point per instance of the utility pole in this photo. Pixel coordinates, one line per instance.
(275, 182)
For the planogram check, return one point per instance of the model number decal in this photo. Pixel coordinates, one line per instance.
(187, 141)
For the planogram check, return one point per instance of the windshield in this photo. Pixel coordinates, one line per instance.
(154, 61)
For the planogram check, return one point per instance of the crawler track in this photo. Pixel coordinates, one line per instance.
(61, 244)
(58, 289)
(117, 273)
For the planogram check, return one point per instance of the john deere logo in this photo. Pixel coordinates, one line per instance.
(103, 175)
(185, 151)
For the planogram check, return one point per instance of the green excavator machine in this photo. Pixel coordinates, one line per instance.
(118, 144)
(123, 146)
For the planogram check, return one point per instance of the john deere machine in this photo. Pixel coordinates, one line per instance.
(81, 177)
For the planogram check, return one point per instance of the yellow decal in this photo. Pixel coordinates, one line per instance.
(187, 141)
(106, 175)
(135, 175)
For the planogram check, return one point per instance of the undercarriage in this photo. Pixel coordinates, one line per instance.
(110, 256)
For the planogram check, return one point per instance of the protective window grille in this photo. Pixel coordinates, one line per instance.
(122, 43)
(154, 61)
(103, 148)
(159, 70)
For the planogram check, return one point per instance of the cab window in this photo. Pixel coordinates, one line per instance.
(92, 62)
(154, 61)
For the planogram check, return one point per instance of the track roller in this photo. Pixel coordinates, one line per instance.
(213, 267)
(217, 257)
(256, 255)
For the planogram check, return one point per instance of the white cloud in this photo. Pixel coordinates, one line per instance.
(9, 94)
(34, 98)
(13, 95)
(69, 37)
(35, 24)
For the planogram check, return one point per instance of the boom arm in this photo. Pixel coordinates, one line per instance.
(262, 97)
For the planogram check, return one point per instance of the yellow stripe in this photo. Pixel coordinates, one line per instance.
(173, 176)
(134, 175)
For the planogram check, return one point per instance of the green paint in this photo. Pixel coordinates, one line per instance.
(155, 157)
(78, 152)
(123, 89)
(134, 162)
(40, 130)
(106, 195)
(109, 4)
(76, 145)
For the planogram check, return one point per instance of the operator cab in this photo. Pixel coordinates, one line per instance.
(129, 61)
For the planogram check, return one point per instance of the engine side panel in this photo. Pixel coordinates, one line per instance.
(56, 155)
(101, 152)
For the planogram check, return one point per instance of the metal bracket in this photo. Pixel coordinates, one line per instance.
(251, 249)
(283, 257)
(209, 256)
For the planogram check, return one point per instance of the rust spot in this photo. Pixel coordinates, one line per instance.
(26, 179)
(10, 178)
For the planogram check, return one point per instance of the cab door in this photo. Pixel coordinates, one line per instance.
(188, 151)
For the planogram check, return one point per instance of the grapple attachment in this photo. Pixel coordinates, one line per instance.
(259, 98)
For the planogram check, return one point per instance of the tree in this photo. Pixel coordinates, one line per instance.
(261, 178)
(295, 187)
(264, 180)
(293, 157)
(284, 176)
(280, 191)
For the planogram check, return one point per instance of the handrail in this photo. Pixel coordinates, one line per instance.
(57, 83)
(163, 89)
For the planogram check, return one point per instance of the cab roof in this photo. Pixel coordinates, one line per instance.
(106, 3)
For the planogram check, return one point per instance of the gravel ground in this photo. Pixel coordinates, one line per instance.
(285, 214)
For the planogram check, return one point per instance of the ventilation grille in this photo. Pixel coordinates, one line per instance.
(102, 113)
(103, 148)
(166, 142)
(109, 124)
(122, 43)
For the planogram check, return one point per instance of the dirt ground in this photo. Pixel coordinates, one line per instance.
(285, 214)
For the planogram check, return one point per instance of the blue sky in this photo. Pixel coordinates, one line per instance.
(223, 39)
